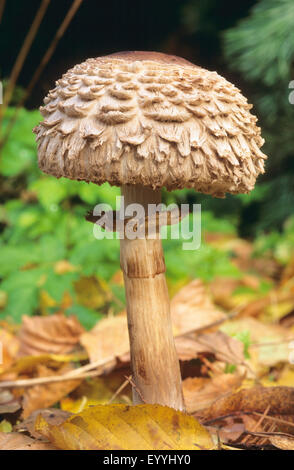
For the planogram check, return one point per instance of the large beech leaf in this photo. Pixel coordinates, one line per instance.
(124, 427)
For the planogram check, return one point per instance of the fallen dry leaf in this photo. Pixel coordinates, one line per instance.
(99, 390)
(8, 403)
(17, 441)
(224, 348)
(192, 308)
(9, 349)
(5, 426)
(231, 432)
(255, 399)
(284, 377)
(109, 338)
(201, 392)
(269, 344)
(27, 365)
(282, 441)
(56, 334)
(224, 291)
(52, 416)
(123, 427)
(43, 396)
(277, 303)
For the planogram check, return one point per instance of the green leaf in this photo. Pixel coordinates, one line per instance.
(19, 153)
(87, 317)
(22, 290)
(49, 191)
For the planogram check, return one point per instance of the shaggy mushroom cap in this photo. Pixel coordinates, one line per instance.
(150, 119)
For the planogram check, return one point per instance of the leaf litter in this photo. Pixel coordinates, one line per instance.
(235, 340)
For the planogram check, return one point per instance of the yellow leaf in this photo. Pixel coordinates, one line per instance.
(63, 267)
(5, 426)
(73, 406)
(286, 379)
(99, 391)
(92, 292)
(10, 347)
(3, 299)
(27, 364)
(46, 302)
(123, 427)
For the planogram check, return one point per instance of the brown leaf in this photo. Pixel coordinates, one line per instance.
(191, 308)
(269, 343)
(222, 290)
(53, 416)
(275, 298)
(8, 403)
(225, 348)
(43, 396)
(200, 392)
(255, 399)
(17, 441)
(282, 441)
(55, 334)
(109, 338)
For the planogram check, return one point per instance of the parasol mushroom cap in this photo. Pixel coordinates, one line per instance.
(150, 119)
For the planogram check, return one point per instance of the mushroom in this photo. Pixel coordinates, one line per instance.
(144, 121)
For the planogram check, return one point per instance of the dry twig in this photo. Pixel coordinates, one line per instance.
(47, 56)
(22, 55)
(2, 6)
(120, 389)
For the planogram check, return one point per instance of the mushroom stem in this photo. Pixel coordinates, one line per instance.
(155, 364)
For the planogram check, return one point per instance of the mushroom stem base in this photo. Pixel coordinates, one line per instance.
(155, 364)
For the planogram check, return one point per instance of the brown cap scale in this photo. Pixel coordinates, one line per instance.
(153, 120)
(143, 121)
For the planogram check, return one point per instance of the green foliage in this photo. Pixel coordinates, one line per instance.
(277, 244)
(19, 153)
(261, 46)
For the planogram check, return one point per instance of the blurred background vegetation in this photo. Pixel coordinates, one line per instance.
(49, 259)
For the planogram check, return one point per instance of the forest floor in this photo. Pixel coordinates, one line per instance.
(235, 341)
